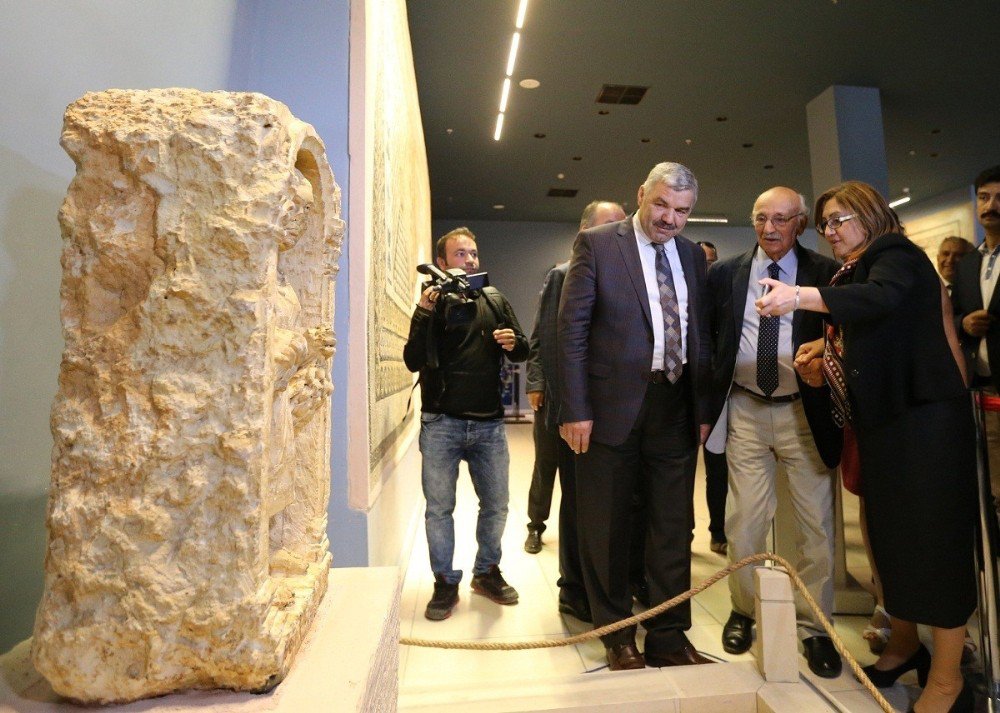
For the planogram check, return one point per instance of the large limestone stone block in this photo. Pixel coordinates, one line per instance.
(190, 468)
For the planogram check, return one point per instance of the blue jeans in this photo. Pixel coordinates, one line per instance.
(444, 441)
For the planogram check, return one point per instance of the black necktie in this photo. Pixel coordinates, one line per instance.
(767, 346)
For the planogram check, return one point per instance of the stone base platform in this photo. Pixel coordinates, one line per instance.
(348, 662)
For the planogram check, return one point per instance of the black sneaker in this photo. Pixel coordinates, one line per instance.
(533, 545)
(444, 600)
(493, 586)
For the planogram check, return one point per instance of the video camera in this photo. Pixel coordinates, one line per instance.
(453, 281)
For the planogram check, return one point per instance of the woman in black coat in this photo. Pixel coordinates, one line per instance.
(895, 379)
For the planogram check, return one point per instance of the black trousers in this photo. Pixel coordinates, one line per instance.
(658, 458)
(716, 490)
(552, 454)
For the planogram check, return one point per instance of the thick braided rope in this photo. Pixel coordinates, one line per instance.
(659, 609)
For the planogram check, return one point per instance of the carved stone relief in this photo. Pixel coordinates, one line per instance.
(190, 470)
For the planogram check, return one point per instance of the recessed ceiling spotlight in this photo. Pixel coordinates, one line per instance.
(448, 131)
(912, 152)
(539, 136)
(578, 158)
(499, 206)
(722, 118)
(644, 140)
(935, 131)
(768, 165)
(906, 189)
(603, 112)
(688, 141)
(748, 145)
(529, 84)
(560, 176)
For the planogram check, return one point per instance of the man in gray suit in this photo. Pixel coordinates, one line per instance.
(551, 452)
(633, 366)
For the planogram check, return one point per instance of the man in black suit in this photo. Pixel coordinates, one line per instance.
(771, 416)
(634, 363)
(551, 452)
(977, 304)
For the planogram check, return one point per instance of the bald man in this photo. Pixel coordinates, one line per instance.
(769, 415)
(551, 452)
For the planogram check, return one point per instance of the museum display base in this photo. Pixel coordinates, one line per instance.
(732, 687)
(348, 662)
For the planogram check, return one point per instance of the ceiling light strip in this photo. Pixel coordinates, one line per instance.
(515, 41)
(721, 220)
(521, 10)
(899, 201)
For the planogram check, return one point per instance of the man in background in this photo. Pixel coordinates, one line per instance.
(951, 250)
(551, 452)
(716, 470)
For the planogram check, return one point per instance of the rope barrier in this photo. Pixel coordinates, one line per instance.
(659, 609)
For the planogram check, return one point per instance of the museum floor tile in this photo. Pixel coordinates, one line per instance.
(536, 615)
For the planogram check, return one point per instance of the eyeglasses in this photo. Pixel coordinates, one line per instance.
(777, 221)
(834, 223)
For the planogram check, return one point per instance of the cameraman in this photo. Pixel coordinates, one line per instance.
(456, 342)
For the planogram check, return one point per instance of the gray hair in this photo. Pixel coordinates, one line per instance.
(966, 245)
(675, 175)
(587, 218)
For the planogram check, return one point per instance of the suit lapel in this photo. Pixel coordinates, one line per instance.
(805, 275)
(633, 265)
(741, 283)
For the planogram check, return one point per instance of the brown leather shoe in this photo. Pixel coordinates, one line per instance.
(686, 656)
(625, 657)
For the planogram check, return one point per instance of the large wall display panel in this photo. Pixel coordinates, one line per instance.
(191, 463)
(389, 232)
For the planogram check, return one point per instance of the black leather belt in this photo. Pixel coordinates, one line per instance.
(787, 399)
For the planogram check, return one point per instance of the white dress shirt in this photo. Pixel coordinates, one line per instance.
(647, 254)
(746, 359)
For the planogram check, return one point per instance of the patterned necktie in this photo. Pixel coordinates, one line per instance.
(767, 346)
(673, 364)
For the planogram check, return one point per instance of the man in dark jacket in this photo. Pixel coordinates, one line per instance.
(457, 342)
(551, 452)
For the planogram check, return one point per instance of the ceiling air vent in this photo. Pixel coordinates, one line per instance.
(562, 193)
(621, 94)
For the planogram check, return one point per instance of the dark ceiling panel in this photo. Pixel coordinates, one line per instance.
(755, 62)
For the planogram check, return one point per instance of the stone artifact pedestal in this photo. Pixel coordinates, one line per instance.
(190, 469)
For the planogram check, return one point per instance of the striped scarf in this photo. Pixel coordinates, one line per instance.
(833, 358)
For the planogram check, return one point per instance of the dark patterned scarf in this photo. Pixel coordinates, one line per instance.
(833, 358)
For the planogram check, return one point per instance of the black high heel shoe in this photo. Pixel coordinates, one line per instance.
(921, 661)
(965, 703)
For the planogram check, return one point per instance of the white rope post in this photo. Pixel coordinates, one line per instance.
(776, 647)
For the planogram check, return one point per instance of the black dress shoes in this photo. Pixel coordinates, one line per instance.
(533, 545)
(625, 657)
(737, 634)
(576, 606)
(822, 657)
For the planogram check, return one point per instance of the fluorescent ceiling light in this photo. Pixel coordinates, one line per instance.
(899, 201)
(496, 132)
(513, 53)
(504, 94)
(520, 14)
(722, 219)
